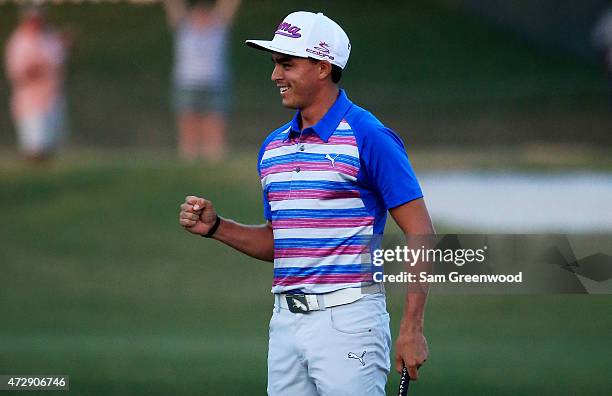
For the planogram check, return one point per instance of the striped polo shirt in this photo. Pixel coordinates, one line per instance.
(326, 191)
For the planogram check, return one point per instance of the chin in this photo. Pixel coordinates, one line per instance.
(289, 104)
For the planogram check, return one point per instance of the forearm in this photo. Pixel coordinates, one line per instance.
(413, 218)
(416, 292)
(414, 312)
(254, 240)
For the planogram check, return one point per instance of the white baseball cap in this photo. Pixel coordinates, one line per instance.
(308, 35)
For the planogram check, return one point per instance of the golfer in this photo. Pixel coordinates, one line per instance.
(329, 176)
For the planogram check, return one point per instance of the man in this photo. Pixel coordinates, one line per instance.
(201, 74)
(35, 58)
(329, 176)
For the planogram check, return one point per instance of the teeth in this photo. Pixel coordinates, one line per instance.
(283, 89)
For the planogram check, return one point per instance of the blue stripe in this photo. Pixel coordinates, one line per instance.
(324, 270)
(280, 136)
(343, 133)
(310, 185)
(318, 213)
(308, 157)
(356, 240)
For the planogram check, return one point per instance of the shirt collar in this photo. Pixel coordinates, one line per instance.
(330, 121)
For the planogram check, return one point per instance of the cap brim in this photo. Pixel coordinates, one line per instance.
(269, 46)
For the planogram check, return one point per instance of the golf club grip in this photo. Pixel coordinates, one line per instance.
(404, 383)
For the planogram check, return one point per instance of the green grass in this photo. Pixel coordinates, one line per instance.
(434, 74)
(98, 281)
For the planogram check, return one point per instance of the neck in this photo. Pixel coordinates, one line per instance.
(323, 102)
(201, 19)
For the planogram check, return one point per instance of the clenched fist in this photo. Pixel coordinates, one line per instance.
(197, 215)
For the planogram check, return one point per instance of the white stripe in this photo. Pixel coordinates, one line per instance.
(307, 176)
(305, 262)
(345, 149)
(279, 177)
(281, 233)
(279, 151)
(340, 203)
(343, 126)
(315, 148)
(283, 133)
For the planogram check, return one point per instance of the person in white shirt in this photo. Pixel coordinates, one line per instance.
(201, 74)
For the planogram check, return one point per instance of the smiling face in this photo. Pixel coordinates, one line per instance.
(298, 80)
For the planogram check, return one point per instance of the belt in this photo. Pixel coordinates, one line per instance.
(302, 303)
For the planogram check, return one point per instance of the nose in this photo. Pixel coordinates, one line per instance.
(276, 72)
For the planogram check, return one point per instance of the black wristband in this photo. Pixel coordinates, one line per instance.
(213, 229)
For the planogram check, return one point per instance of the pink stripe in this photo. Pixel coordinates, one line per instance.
(311, 166)
(324, 223)
(313, 194)
(279, 143)
(313, 139)
(346, 140)
(320, 252)
(322, 279)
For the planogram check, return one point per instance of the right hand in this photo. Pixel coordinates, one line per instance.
(197, 215)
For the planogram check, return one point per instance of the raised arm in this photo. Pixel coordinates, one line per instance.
(411, 345)
(198, 216)
(226, 9)
(175, 11)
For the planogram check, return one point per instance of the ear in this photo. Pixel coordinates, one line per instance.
(325, 69)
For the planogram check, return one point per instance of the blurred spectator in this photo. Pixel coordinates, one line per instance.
(35, 58)
(201, 74)
(602, 41)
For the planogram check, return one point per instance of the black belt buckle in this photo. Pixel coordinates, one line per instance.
(297, 303)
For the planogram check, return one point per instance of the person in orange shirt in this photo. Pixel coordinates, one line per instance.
(35, 60)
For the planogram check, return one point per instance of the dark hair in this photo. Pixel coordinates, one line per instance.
(336, 72)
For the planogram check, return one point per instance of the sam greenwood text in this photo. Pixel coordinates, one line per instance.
(452, 277)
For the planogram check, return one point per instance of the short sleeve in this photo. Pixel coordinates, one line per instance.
(267, 212)
(266, 204)
(266, 207)
(387, 167)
